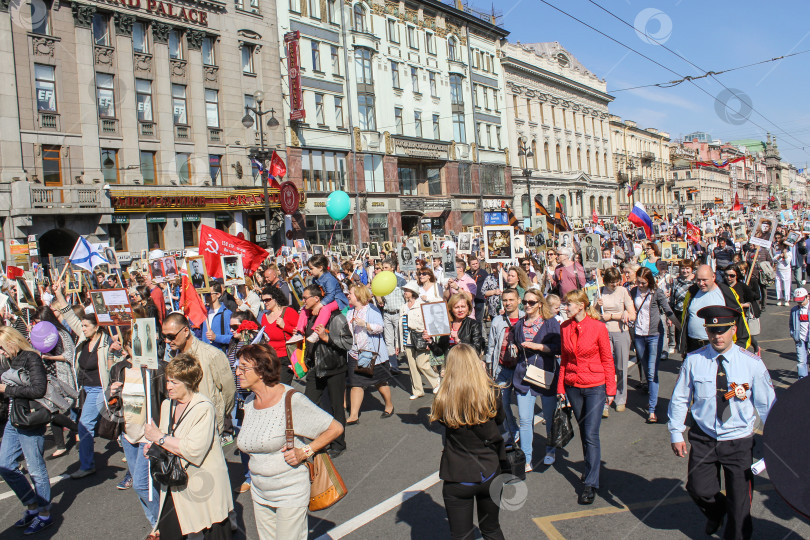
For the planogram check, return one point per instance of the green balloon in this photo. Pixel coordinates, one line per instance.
(338, 205)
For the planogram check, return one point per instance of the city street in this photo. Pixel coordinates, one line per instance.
(391, 471)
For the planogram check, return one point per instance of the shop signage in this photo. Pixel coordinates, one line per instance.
(290, 198)
(420, 149)
(120, 220)
(494, 203)
(156, 219)
(164, 9)
(468, 205)
(292, 41)
(193, 217)
(496, 218)
(378, 205)
(427, 205)
(222, 217)
(185, 200)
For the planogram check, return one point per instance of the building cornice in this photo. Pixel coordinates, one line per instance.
(508, 62)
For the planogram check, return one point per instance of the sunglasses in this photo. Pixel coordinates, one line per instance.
(234, 327)
(731, 275)
(172, 337)
(268, 299)
(531, 302)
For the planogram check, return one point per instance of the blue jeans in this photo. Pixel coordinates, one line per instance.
(587, 404)
(138, 465)
(31, 444)
(526, 403)
(647, 356)
(87, 425)
(504, 380)
(801, 357)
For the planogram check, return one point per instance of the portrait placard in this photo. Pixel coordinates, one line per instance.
(437, 318)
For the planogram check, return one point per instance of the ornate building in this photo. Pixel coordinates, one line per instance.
(558, 131)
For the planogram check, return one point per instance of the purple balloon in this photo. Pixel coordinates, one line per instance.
(44, 336)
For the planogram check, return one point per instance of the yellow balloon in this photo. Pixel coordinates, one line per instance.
(383, 283)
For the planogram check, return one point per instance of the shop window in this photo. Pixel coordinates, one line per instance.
(52, 165)
(378, 227)
(319, 229)
(373, 168)
(154, 234)
(191, 234)
(109, 165)
(117, 233)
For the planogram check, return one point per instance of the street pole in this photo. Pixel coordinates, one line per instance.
(260, 154)
(524, 153)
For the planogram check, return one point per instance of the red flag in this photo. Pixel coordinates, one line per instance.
(737, 206)
(214, 243)
(277, 167)
(13, 272)
(191, 304)
(595, 216)
(692, 232)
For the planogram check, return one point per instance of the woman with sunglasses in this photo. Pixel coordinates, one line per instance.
(429, 290)
(749, 300)
(278, 321)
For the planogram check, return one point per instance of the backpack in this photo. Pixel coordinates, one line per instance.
(509, 352)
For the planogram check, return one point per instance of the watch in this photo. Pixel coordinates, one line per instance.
(65, 309)
(162, 440)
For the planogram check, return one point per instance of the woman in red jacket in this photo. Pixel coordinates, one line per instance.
(588, 379)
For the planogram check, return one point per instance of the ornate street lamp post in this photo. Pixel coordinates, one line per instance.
(261, 154)
(524, 153)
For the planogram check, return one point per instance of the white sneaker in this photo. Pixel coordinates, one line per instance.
(551, 456)
(414, 396)
(529, 467)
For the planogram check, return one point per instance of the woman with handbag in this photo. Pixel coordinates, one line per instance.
(411, 326)
(463, 328)
(587, 379)
(537, 335)
(128, 383)
(280, 486)
(468, 405)
(617, 311)
(368, 357)
(186, 458)
(24, 433)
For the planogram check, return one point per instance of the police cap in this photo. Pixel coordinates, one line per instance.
(715, 316)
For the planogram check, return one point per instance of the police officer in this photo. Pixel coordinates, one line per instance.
(724, 384)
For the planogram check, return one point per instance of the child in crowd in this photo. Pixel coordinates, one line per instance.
(333, 298)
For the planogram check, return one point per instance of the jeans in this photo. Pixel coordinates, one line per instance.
(31, 444)
(587, 404)
(648, 357)
(801, 357)
(87, 425)
(138, 465)
(526, 403)
(459, 502)
(504, 381)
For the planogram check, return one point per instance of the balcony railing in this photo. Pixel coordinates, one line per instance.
(647, 157)
(182, 132)
(214, 135)
(49, 120)
(109, 126)
(65, 196)
(147, 129)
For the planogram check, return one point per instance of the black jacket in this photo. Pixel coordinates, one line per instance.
(329, 358)
(469, 332)
(472, 453)
(158, 387)
(31, 362)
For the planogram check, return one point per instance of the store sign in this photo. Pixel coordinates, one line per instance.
(222, 217)
(120, 220)
(292, 40)
(420, 149)
(496, 218)
(156, 219)
(248, 199)
(377, 205)
(191, 218)
(424, 204)
(290, 198)
(164, 9)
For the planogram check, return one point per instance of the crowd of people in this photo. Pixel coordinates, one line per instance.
(227, 380)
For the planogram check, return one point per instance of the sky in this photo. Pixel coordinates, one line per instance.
(713, 35)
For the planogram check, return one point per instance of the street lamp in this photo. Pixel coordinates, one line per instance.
(524, 153)
(262, 153)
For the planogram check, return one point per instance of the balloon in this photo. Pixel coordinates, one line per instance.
(383, 283)
(338, 205)
(44, 336)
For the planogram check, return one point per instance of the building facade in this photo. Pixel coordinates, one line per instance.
(559, 145)
(130, 120)
(388, 114)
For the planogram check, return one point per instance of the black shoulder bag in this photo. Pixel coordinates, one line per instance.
(166, 468)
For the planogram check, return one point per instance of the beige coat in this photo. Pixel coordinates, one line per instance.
(104, 364)
(206, 499)
(217, 382)
(416, 322)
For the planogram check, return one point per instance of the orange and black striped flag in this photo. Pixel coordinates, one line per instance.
(541, 210)
(656, 215)
(718, 201)
(560, 220)
(513, 221)
(692, 190)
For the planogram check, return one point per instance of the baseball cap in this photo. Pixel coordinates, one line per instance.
(799, 294)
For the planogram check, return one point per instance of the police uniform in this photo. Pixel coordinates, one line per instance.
(723, 391)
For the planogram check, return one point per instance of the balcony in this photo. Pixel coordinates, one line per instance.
(621, 177)
(214, 135)
(109, 126)
(182, 133)
(147, 129)
(49, 120)
(29, 199)
(647, 157)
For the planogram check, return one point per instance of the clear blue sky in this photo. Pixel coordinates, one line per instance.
(714, 35)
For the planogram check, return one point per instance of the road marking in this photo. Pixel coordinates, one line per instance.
(53, 480)
(773, 340)
(386, 506)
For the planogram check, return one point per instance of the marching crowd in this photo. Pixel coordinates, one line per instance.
(546, 327)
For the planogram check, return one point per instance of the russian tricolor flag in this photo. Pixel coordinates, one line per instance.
(640, 218)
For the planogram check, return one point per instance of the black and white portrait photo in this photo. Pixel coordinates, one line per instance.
(425, 241)
(232, 271)
(156, 268)
(169, 267)
(317, 249)
(591, 254)
(374, 250)
(437, 318)
(465, 243)
(407, 260)
(449, 262)
(195, 266)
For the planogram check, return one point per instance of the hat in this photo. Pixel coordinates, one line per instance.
(411, 286)
(715, 316)
(799, 294)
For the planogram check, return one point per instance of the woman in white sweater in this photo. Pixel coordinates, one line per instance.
(280, 485)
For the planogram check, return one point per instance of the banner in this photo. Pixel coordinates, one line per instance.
(692, 232)
(215, 243)
(191, 304)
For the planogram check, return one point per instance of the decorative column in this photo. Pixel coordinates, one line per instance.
(88, 110)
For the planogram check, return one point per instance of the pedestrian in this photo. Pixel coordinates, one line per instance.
(390, 305)
(280, 486)
(478, 274)
(617, 311)
(569, 275)
(725, 387)
(468, 406)
(28, 442)
(188, 429)
(783, 260)
(463, 328)
(429, 290)
(502, 357)
(411, 326)
(587, 379)
(333, 297)
(215, 328)
(278, 321)
(799, 325)
(677, 294)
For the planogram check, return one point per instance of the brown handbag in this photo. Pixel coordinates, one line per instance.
(326, 485)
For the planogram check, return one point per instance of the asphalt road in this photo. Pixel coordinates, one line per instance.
(391, 470)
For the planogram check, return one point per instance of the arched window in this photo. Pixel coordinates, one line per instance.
(359, 18)
(606, 164)
(534, 152)
(610, 205)
(598, 173)
(547, 162)
(550, 206)
(579, 159)
(559, 159)
(452, 49)
(601, 205)
(588, 158)
(562, 203)
(568, 155)
(593, 203)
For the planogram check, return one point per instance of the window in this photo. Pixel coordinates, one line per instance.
(436, 132)
(316, 56)
(183, 167)
(498, 140)
(486, 97)
(579, 159)
(40, 15)
(250, 101)
(208, 57)
(489, 136)
(105, 95)
(143, 99)
(315, 9)
(559, 161)
(322, 229)
(191, 235)
(491, 179)
(414, 80)
(434, 180)
(175, 45)
(339, 112)
(332, 10)
(247, 59)
(413, 41)
(140, 43)
(398, 120)
(117, 232)
(375, 179)
(319, 115)
(154, 234)
(417, 124)
(596, 161)
(459, 132)
(295, 6)
(359, 18)
(109, 165)
(430, 43)
(101, 28)
(215, 170)
(149, 167)
(434, 91)
(333, 52)
(45, 82)
(546, 157)
(365, 108)
(605, 162)
(456, 97)
(323, 171)
(395, 74)
(465, 178)
(452, 49)
(568, 154)
(212, 108)
(588, 160)
(393, 31)
(52, 165)
(479, 134)
(179, 104)
(378, 227)
(529, 109)
(362, 64)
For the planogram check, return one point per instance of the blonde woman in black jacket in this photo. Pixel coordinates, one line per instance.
(463, 328)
